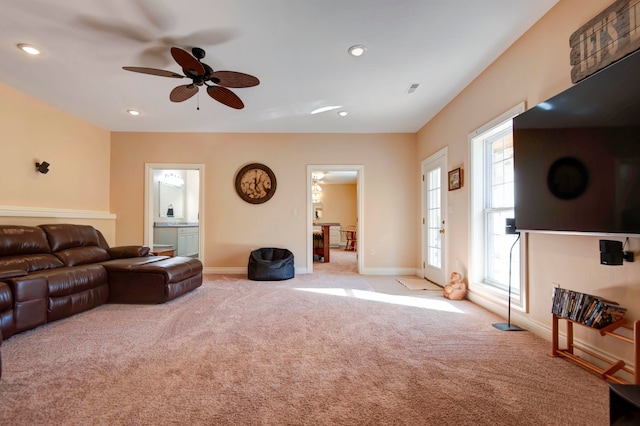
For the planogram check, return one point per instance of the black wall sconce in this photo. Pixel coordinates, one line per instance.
(42, 167)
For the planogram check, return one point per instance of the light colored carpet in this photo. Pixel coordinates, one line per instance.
(314, 350)
(418, 284)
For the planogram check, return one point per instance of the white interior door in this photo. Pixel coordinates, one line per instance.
(434, 201)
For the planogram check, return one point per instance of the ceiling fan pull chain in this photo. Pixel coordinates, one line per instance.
(198, 101)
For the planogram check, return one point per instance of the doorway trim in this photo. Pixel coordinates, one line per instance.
(149, 199)
(359, 169)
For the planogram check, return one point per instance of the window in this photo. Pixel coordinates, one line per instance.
(495, 256)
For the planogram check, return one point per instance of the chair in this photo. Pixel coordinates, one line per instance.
(318, 244)
(271, 264)
(350, 234)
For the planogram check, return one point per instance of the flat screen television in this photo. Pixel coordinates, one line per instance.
(577, 156)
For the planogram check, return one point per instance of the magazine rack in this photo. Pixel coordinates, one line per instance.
(610, 330)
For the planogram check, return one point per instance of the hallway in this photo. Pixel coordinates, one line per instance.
(342, 262)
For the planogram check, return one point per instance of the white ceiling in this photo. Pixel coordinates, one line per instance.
(339, 177)
(297, 48)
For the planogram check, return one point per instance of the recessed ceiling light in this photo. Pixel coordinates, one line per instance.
(357, 50)
(325, 109)
(133, 112)
(343, 113)
(27, 48)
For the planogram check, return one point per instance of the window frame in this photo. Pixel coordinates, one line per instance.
(477, 223)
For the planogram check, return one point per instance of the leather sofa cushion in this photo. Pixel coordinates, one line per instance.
(7, 326)
(64, 236)
(10, 273)
(16, 240)
(82, 255)
(30, 262)
(71, 280)
(123, 252)
(28, 288)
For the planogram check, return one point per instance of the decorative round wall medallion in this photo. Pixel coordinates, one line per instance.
(568, 178)
(255, 183)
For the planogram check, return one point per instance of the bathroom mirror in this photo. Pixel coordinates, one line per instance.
(171, 200)
(317, 211)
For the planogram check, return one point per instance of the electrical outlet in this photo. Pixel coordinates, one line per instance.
(373, 252)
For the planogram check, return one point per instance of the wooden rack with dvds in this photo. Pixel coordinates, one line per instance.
(610, 330)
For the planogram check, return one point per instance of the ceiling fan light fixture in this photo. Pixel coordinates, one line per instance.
(357, 50)
(30, 49)
(201, 74)
(133, 112)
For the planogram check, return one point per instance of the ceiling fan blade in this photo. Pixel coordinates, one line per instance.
(114, 29)
(156, 14)
(153, 71)
(208, 37)
(186, 61)
(182, 93)
(234, 79)
(225, 96)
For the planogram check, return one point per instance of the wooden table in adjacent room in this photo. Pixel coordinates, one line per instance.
(325, 237)
(163, 251)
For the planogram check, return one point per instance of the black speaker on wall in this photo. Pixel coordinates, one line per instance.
(611, 252)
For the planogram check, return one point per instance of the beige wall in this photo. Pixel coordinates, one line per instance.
(535, 68)
(233, 227)
(76, 189)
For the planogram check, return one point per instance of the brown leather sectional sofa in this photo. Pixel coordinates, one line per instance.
(50, 272)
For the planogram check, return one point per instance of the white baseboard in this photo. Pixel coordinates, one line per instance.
(238, 270)
(388, 271)
(242, 270)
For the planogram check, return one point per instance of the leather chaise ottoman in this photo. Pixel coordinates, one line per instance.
(152, 282)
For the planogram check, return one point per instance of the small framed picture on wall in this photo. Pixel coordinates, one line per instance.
(455, 179)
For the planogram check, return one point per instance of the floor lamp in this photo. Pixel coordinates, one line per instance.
(510, 229)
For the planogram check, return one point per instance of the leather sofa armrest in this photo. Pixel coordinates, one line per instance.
(11, 273)
(124, 252)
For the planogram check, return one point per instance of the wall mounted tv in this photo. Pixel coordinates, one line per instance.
(577, 156)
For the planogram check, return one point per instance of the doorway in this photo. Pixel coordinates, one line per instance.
(174, 206)
(313, 211)
(434, 201)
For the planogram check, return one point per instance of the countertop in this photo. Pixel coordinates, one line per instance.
(174, 224)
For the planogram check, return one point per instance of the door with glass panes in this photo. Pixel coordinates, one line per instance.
(434, 193)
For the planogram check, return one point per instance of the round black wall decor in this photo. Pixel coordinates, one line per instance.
(255, 183)
(568, 178)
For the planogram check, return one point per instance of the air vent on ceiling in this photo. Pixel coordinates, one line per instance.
(412, 88)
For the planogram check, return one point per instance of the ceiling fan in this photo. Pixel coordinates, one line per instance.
(217, 82)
